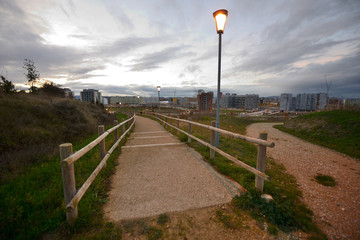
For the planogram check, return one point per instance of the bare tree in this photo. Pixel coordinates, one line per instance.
(32, 74)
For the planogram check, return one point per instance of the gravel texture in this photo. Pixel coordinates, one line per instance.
(157, 179)
(336, 209)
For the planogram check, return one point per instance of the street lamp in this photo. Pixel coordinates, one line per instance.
(220, 20)
(158, 88)
(138, 99)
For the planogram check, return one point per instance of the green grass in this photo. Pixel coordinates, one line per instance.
(338, 130)
(32, 126)
(286, 212)
(32, 204)
(325, 180)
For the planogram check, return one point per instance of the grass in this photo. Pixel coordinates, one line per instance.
(32, 127)
(337, 129)
(32, 205)
(286, 212)
(162, 219)
(142, 228)
(325, 180)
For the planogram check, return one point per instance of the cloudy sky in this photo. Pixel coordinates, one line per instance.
(128, 47)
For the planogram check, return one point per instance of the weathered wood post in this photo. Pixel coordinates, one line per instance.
(116, 132)
(123, 126)
(102, 143)
(260, 164)
(189, 130)
(178, 125)
(212, 141)
(68, 177)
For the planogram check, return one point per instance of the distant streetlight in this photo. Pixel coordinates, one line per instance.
(220, 20)
(158, 89)
(138, 99)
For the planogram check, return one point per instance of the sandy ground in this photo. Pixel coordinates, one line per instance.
(336, 209)
(158, 174)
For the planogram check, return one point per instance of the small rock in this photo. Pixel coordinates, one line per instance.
(267, 197)
(342, 209)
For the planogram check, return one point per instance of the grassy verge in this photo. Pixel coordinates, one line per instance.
(338, 130)
(286, 212)
(32, 205)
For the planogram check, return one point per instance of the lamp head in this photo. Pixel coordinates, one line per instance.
(220, 17)
(158, 88)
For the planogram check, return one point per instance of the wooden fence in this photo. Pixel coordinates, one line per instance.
(68, 158)
(262, 143)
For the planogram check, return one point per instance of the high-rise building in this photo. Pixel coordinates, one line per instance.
(91, 95)
(205, 101)
(248, 101)
(286, 102)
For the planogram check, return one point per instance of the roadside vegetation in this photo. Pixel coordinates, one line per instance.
(286, 212)
(338, 130)
(32, 202)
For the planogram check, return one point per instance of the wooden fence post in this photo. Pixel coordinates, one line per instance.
(260, 164)
(189, 130)
(178, 125)
(116, 132)
(123, 126)
(102, 143)
(68, 177)
(212, 141)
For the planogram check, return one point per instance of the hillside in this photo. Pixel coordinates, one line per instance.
(338, 130)
(32, 127)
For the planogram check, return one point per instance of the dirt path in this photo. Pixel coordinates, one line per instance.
(336, 209)
(157, 174)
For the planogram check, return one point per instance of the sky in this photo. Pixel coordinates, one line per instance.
(129, 47)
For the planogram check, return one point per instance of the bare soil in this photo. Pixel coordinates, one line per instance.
(212, 223)
(336, 209)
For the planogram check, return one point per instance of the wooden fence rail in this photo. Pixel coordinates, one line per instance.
(262, 142)
(68, 158)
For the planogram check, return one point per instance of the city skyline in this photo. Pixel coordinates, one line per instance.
(130, 47)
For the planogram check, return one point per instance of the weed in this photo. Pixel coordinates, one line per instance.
(162, 219)
(273, 230)
(226, 220)
(325, 180)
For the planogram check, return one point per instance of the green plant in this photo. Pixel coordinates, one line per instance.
(325, 180)
(273, 230)
(162, 219)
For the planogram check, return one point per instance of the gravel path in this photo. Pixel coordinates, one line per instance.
(336, 209)
(157, 174)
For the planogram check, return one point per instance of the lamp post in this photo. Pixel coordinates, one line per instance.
(138, 99)
(220, 20)
(158, 89)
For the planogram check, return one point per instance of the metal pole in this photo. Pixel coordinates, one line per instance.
(218, 96)
(159, 100)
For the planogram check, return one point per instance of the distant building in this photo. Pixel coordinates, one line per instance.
(205, 101)
(248, 101)
(311, 101)
(129, 100)
(351, 102)
(91, 96)
(188, 101)
(303, 102)
(286, 102)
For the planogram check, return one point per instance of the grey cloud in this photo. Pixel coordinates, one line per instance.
(153, 60)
